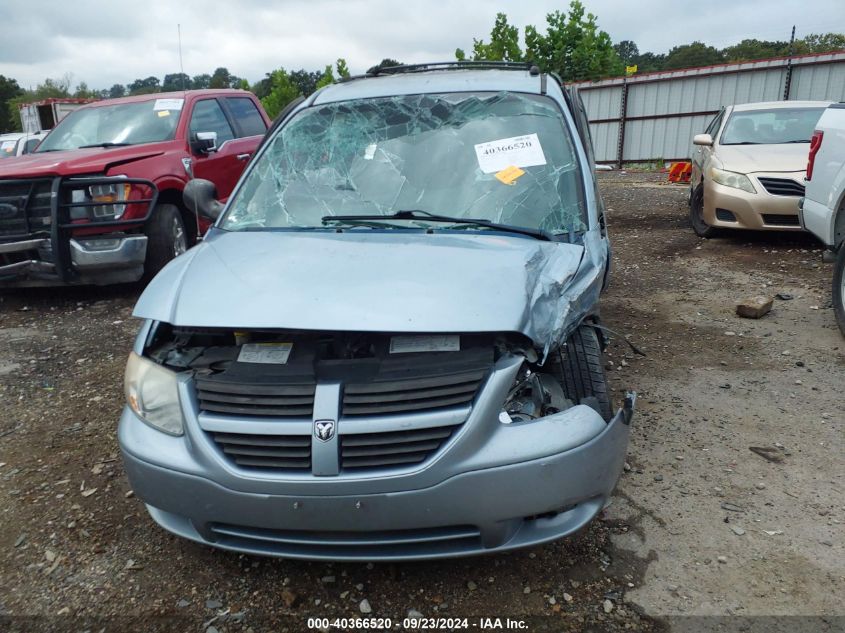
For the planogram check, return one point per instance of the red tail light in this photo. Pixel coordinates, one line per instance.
(815, 144)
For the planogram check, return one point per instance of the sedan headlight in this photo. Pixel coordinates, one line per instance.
(152, 393)
(732, 179)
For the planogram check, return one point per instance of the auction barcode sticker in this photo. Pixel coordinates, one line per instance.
(265, 353)
(519, 151)
(425, 343)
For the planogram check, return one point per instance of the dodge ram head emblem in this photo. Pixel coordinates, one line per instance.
(324, 430)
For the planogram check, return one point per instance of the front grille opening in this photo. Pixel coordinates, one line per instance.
(433, 541)
(27, 208)
(419, 394)
(397, 448)
(275, 452)
(782, 186)
(725, 216)
(255, 399)
(773, 219)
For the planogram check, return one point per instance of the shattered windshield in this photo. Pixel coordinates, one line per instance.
(503, 157)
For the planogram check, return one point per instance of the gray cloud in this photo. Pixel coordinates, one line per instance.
(103, 42)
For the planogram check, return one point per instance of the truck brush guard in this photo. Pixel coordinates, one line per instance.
(59, 230)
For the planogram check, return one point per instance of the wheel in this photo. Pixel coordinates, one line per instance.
(580, 369)
(839, 288)
(696, 215)
(166, 238)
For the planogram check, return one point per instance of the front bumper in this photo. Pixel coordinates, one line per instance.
(51, 237)
(524, 484)
(96, 260)
(759, 211)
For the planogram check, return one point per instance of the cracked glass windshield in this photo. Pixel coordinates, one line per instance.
(500, 157)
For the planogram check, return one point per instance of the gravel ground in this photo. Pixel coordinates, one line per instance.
(703, 532)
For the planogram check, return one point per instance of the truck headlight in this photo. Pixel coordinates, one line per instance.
(152, 393)
(109, 195)
(732, 179)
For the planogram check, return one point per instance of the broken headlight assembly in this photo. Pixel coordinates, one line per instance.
(152, 393)
(533, 395)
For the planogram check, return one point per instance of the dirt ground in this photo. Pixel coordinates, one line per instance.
(703, 533)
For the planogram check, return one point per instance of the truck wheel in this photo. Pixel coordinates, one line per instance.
(839, 288)
(696, 215)
(166, 238)
(580, 369)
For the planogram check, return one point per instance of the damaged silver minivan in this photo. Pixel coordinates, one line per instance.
(387, 345)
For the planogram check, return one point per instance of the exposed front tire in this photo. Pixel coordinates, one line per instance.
(839, 288)
(579, 367)
(166, 238)
(696, 215)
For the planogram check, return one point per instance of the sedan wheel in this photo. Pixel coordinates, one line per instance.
(696, 215)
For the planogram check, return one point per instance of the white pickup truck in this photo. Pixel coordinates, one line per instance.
(822, 210)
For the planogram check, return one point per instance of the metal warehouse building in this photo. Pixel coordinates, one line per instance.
(654, 116)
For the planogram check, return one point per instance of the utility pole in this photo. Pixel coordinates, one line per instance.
(788, 79)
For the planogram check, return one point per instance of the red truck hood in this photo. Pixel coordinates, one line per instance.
(94, 160)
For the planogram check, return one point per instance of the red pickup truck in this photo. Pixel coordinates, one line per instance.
(100, 200)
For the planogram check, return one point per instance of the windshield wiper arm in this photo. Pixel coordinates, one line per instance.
(360, 220)
(106, 144)
(415, 214)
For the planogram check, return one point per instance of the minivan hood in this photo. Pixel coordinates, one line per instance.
(746, 159)
(92, 160)
(377, 282)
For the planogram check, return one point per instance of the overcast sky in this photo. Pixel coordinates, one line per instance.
(102, 42)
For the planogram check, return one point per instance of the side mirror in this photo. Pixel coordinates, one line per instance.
(204, 142)
(200, 196)
(702, 139)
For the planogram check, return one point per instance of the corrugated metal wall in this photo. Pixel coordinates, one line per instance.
(663, 111)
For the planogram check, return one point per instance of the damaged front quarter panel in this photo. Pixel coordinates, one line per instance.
(560, 297)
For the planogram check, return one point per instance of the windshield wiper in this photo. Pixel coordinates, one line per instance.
(798, 140)
(106, 144)
(416, 214)
(360, 220)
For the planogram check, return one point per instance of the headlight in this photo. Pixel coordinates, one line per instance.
(732, 179)
(151, 392)
(533, 395)
(109, 195)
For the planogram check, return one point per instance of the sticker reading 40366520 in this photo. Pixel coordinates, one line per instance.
(519, 151)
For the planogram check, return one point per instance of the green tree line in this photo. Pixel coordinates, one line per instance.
(573, 46)
(570, 44)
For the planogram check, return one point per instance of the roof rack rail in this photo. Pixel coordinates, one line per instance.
(375, 71)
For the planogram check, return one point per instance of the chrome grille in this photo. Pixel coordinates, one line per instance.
(255, 399)
(379, 450)
(417, 394)
(782, 186)
(25, 207)
(278, 452)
